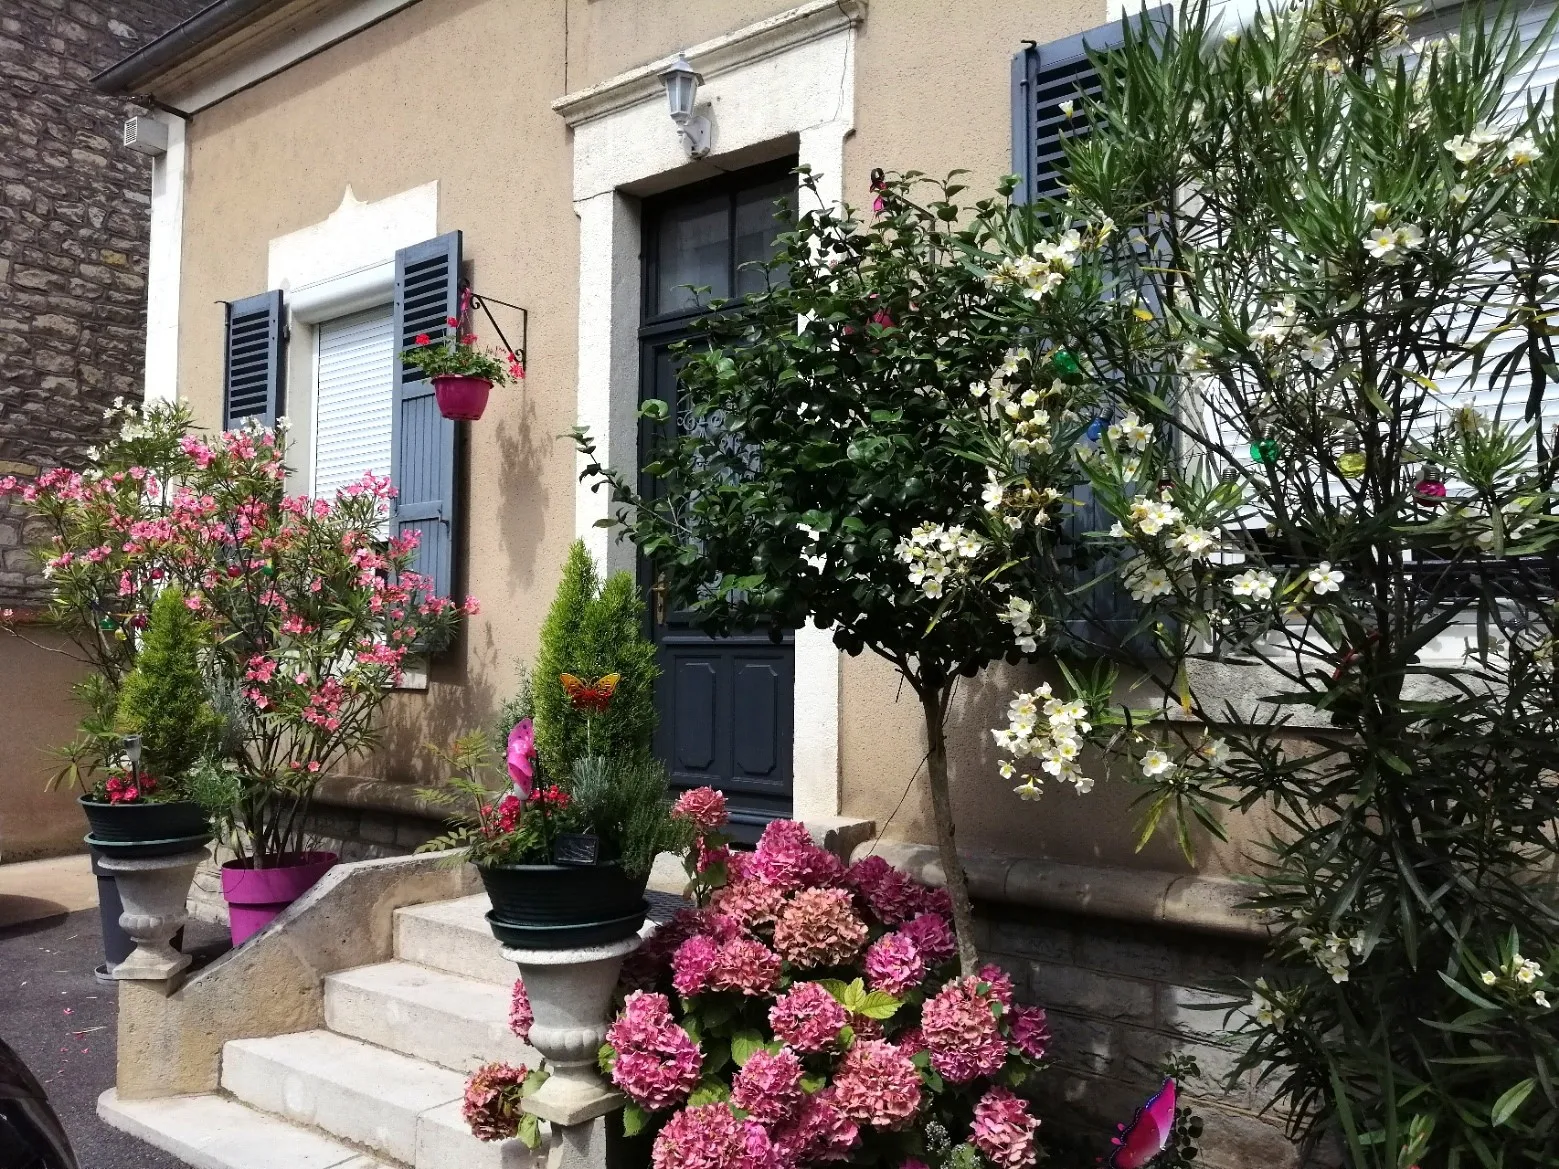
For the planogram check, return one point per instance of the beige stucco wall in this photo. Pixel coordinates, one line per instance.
(36, 674)
(458, 91)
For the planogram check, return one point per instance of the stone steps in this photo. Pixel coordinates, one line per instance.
(454, 1022)
(381, 1088)
(452, 936)
(388, 1103)
(213, 1132)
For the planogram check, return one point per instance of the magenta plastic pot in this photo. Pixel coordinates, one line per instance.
(256, 896)
(461, 398)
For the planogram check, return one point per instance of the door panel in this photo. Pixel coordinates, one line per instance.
(725, 704)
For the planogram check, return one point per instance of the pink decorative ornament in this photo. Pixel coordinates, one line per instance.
(522, 758)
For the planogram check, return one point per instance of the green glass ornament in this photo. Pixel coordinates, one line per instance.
(1265, 450)
(107, 623)
(1066, 364)
(1350, 464)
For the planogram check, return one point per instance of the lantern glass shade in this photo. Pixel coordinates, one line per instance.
(681, 84)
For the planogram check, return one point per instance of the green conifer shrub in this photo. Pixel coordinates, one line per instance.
(164, 698)
(593, 629)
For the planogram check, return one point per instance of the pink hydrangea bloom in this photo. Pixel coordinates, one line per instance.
(961, 1032)
(890, 895)
(1000, 982)
(520, 1016)
(710, 1137)
(787, 857)
(820, 1132)
(894, 964)
(932, 936)
(644, 967)
(935, 901)
(657, 1062)
(693, 963)
(1029, 1031)
(747, 966)
(492, 1101)
(1003, 1129)
(819, 927)
(752, 901)
(768, 1087)
(704, 807)
(876, 1084)
(807, 1018)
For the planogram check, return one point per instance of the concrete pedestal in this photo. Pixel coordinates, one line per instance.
(570, 995)
(153, 892)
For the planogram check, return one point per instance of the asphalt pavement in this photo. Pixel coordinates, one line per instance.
(60, 1019)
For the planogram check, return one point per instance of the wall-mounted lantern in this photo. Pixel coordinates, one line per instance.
(682, 82)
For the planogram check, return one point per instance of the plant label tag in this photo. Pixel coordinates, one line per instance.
(577, 848)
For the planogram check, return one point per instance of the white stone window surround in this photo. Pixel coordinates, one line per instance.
(783, 85)
(341, 265)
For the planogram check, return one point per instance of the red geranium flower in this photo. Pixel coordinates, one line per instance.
(423, 339)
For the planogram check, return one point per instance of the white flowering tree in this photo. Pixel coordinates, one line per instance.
(1327, 306)
(879, 444)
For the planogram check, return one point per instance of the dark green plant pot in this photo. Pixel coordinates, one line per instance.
(558, 907)
(146, 829)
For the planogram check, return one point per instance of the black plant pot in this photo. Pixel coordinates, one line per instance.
(146, 830)
(559, 907)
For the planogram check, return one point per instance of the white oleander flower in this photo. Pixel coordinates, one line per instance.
(1194, 542)
(1463, 148)
(1325, 579)
(1540, 999)
(1149, 583)
(1156, 763)
(1489, 978)
(1315, 351)
(1521, 151)
(1253, 583)
(1214, 751)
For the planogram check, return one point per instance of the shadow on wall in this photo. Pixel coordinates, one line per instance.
(469, 681)
(1098, 828)
(37, 713)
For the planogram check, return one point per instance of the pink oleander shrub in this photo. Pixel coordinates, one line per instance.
(311, 605)
(807, 1013)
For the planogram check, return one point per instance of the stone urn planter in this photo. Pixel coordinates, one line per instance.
(152, 891)
(561, 907)
(255, 897)
(136, 831)
(461, 398)
(570, 992)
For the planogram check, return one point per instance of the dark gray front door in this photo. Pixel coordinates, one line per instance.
(725, 703)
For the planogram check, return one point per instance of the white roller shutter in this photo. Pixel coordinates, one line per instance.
(353, 398)
(1535, 81)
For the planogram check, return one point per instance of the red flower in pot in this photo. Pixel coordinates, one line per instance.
(462, 374)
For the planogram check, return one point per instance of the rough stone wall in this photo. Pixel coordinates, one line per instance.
(73, 241)
(1119, 999)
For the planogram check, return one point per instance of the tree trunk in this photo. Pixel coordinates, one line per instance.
(934, 704)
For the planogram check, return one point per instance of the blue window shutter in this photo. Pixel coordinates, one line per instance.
(423, 447)
(1044, 76)
(254, 378)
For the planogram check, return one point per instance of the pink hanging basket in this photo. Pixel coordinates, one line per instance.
(256, 896)
(461, 398)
